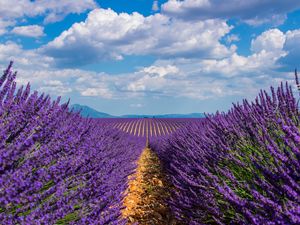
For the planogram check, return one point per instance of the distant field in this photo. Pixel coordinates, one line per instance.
(148, 127)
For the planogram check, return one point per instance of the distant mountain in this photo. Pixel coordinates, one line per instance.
(90, 112)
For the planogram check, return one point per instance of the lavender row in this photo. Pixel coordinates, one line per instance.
(56, 167)
(240, 167)
(147, 127)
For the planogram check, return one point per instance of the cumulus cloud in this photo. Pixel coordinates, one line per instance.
(212, 78)
(63, 82)
(282, 48)
(52, 10)
(270, 40)
(99, 92)
(24, 58)
(234, 75)
(291, 46)
(204, 79)
(29, 31)
(108, 35)
(237, 65)
(194, 83)
(56, 87)
(193, 77)
(200, 78)
(254, 12)
(160, 70)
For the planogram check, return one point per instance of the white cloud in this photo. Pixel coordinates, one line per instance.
(29, 31)
(4, 24)
(160, 71)
(155, 6)
(293, 37)
(198, 78)
(235, 65)
(55, 87)
(99, 92)
(108, 35)
(191, 78)
(59, 9)
(231, 38)
(254, 12)
(24, 58)
(270, 40)
(53, 83)
(267, 49)
(53, 10)
(291, 46)
(195, 86)
(195, 77)
(275, 20)
(204, 79)
(12, 11)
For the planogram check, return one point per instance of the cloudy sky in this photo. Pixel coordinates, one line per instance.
(144, 56)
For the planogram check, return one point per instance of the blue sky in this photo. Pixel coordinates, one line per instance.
(150, 57)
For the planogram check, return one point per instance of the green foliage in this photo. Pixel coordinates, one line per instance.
(48, 185)
(68, 218)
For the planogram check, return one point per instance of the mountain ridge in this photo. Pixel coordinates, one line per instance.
(87, 111)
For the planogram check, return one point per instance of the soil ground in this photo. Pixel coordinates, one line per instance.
(145, 198)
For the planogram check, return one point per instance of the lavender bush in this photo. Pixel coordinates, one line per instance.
(56, 167)
(240, 167)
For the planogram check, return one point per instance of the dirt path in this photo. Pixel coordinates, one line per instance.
(144, 203)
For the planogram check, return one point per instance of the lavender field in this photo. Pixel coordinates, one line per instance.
(239, 167)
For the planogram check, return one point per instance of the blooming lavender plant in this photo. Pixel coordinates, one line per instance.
(239, 167)
(56, 167)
